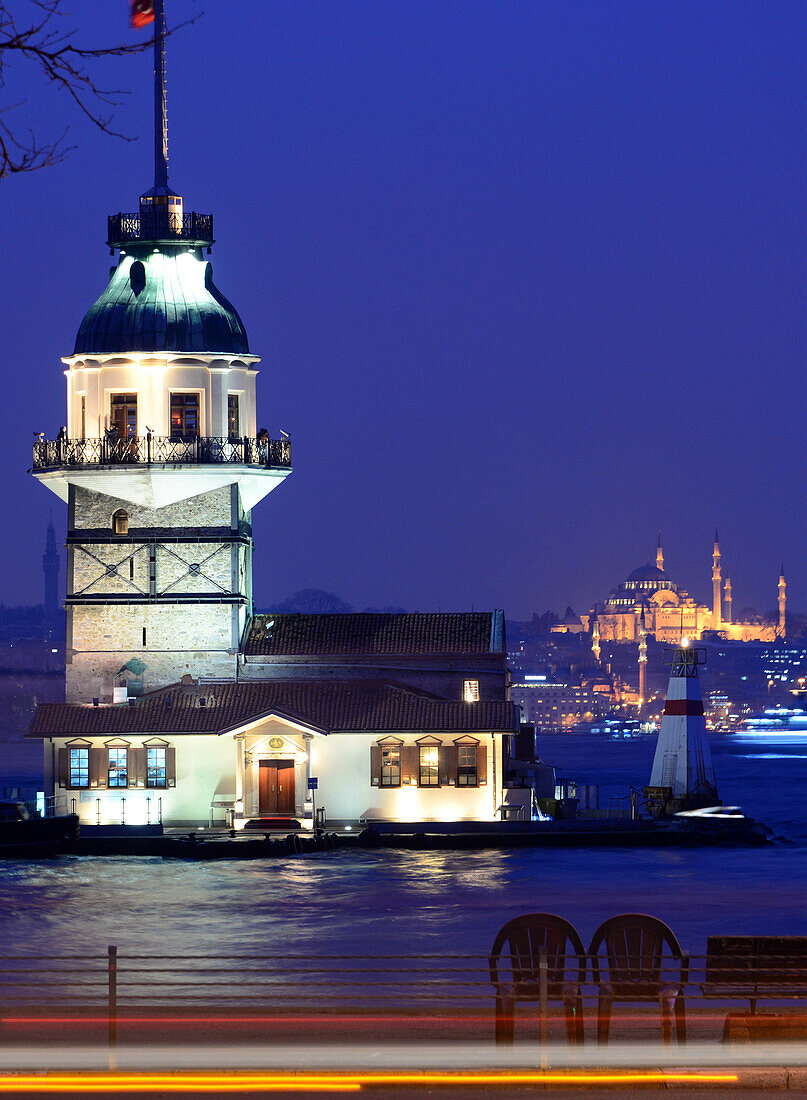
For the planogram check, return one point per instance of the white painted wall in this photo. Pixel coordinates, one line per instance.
(153, 377)
(206, 769)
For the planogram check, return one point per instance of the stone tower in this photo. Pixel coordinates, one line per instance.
(162, 461)
(781, 630)
(642, 657)
(727, 600)
(50, 567)
(717, 612)
(659, 554)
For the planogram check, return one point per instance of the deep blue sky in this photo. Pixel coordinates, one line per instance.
(528, 279)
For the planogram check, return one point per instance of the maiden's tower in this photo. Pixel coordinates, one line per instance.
(161, 461)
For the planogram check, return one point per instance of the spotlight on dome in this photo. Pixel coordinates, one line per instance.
(685, 643)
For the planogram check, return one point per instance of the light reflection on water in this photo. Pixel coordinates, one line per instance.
(361, 902)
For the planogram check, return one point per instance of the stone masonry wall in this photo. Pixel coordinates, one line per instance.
(95, 510)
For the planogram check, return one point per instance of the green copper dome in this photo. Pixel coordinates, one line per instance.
(162, 300)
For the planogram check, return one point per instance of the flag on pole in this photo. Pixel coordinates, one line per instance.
(142, 12)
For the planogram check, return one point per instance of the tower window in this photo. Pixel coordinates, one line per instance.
(470, 691)
(184, 416)
(120, 522)
(233, 417)
(137, 276)
(123, 414)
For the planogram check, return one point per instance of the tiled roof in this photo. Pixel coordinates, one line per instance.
(376, 633)
(335, 706)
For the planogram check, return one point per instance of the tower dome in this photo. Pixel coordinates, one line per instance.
(161, 297)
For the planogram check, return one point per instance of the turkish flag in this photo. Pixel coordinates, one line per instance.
(142, 12)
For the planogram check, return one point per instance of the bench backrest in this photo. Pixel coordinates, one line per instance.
(756, 961)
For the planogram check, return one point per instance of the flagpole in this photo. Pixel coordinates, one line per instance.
(160, 104)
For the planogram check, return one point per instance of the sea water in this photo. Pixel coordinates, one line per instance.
(375, 901)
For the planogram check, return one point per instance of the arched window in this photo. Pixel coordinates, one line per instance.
(120, 522)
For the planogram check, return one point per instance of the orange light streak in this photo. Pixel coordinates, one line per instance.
(327, 1082)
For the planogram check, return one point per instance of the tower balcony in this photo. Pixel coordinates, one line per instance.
(160, 225)
(52, 454)
(154, 470)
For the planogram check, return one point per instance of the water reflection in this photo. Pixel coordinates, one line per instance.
(361, 901)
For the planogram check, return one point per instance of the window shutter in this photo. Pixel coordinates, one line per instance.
(482, 764)
(410, 763)
(375, 765)
(136, 764)
(448, 765)
(170, 766)
(99, 767)
(64, 775)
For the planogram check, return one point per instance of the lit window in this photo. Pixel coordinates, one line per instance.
(466, 766)
(155, 768)
(120, 522)
(184, 416)
(118, 771)
(470, 691)
(429, 772)
(390, 766)
(79, 775)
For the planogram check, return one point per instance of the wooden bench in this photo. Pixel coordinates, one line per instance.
(754, 968)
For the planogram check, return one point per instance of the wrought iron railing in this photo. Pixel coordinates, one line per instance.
(144, 450)
(159, 226)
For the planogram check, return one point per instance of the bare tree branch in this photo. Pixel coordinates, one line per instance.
(43, 41)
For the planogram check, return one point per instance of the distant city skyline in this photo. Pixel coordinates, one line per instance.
(527, 281)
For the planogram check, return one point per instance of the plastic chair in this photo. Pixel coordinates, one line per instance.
(639, 970)
(523, 939)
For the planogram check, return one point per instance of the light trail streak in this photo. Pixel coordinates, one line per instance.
(329, 1082)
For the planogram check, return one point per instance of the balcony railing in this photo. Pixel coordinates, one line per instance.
(52, 454)
(160, 225)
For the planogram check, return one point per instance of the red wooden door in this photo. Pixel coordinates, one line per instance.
(276, 787)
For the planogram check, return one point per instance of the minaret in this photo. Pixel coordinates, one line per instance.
(659, 554)
(163, 462)
(683, 761)
(781, 632)
(595, 638)
(717, 614)
(50, 567)
(727, 600)
(642, 658)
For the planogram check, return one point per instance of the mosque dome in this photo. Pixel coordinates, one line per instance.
(648, 573)
(161, 299)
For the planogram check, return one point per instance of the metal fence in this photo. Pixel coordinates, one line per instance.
(144, 450)
(115, 986)
(159, 225)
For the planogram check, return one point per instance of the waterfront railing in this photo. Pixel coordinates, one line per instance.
(114, 989)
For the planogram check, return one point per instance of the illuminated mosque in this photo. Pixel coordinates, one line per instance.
(650, 602)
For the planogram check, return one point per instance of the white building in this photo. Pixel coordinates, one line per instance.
(179, 755)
